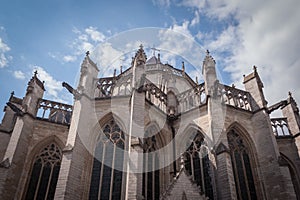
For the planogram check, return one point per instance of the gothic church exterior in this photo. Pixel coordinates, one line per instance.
(150, 132)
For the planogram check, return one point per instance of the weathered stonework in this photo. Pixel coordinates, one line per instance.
(158, 99)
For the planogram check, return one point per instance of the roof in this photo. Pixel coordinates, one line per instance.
(152, 60)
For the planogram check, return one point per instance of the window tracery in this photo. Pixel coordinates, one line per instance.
(197, 164)
(241, 163)
(44, 173)
(106, 180)
(151, 186)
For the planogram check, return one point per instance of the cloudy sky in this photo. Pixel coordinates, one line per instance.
(52, 36)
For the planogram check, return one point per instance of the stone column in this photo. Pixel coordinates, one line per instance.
(225, 176)
(133, 163)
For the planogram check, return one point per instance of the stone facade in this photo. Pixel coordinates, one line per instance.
(178, 139)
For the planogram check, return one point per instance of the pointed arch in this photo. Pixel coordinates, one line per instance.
(44, 171)
(293, 173)
(107, 169)
(197, 160)
(242, 153)
(151, 175)
(110, 115)
(98, 127)
(187, 136)
(244, 133)
(155, 130)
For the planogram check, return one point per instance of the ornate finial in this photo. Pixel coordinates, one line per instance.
(35, 73)
(158, 57)
(140, 56)
(290, 94)
(207, 52)
(115, 72)
(11, 95)
(87, 53)
(197, 79)
(254, 68)
(233, 85)
(121, 69)
(183, 68)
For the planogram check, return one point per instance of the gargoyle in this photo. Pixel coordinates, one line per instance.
(17, 110)
(71, 89)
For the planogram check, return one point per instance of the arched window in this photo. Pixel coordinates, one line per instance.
(293, 173)
(44, 173)
(106, 180)
(197, 164)
(151, 186)
(242, 166)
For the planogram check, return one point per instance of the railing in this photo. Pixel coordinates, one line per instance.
(280, 127)
(104, 87)
(235, 97)
(155, 96)
(192, 98)
(54, 112)
(113, 86)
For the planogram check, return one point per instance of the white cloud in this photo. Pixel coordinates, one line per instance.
(19, 75)
(86, 40)
(161, 3)
(3, 58)
(94, 34)
(52, 86)
(266, 34)
(178, 41)
(196, 18)
(107, 57)
(69, 58)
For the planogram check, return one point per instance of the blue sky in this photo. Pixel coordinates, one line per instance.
(52, 36)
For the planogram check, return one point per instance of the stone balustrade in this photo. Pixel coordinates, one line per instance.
(235, 97)
(280, 127)
(192, 98)
(54, 112)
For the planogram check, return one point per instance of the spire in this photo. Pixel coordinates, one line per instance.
(254, 85)
(35, 80)
(209, 73)
(11, 95)
(208, 57)
(140, 56)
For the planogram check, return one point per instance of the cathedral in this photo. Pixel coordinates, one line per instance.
(150, 132)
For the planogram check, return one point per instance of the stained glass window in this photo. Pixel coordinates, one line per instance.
(244, 182)
(197, 164)
(106, 180)
(44, 173)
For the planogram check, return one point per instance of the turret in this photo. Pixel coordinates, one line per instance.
(291, 112)
(209, 73)
(139, 67)
(136, 127)
(34, 92)
(9, 117)
(88, 75)
(254, 85)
